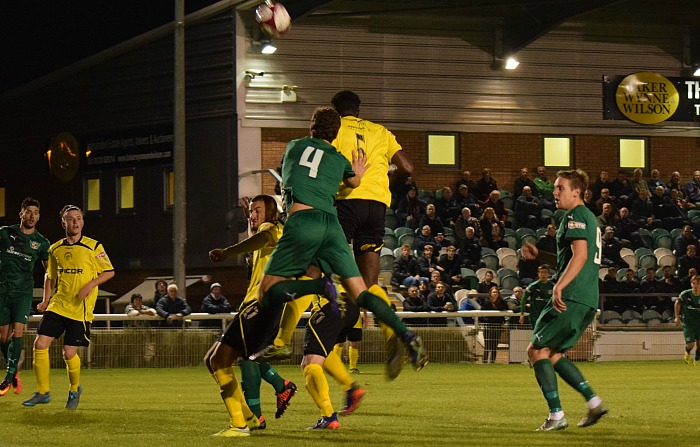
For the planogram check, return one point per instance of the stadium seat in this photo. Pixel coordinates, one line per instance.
(450, 234)
(610, 317)
(437, 194)
(503, 272)
(652, 317)
(511, 239)
(397, 252)
(676, 232)
(391, 221)
(541, 231)
(626, 251)
(490, 260)
(387, 251)
(388, 230)
(390, 241)
(531, 238)
(661, 238)
(631, 260)
(400, 231)
(661, 251)
(692, 214)
(407, 238)
(558, 214)
(632, 317)
(507, 198)
(602, 272)
(510, 282)
(520, 232)
(482, 271)
(547, 215)
(621, 273)
(469, 278)
(510, 262)
(646, 261)
(386, 262)
(646, 237)
(487, 251)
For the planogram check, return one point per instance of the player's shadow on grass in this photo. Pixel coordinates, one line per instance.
(36, 417)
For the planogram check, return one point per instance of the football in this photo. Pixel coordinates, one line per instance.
(273, 18)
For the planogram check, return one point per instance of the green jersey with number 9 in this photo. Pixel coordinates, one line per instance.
(580, 223)
(311, 172)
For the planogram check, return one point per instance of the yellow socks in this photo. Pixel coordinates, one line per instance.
(317, 385)
(334, 366)
(231, 395)
(42, 366)
(353, 355)
(290, 318)
(73, 368)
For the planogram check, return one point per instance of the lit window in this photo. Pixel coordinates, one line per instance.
(443, 149)
(126, 192)
(92, 194)
(633, 153)
(558, 152)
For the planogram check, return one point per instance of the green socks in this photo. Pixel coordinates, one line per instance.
(250, 383)
(270, 376)
(547, 379)
(14, 353)
(571, 375)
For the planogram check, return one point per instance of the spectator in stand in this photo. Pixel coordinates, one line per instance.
(467, 181)
(399, 188)
(589, 202)
(405, 271)
(605, 197)
(602, 182)
(690, 260)
(679, 207)
(675, 183)
(215, 303)
(692, 190)
(431, 219)
(435, 278)
(485, 185)
(486, 284)
(664, 209)
(629, 283)
(470, 250)
(611, 250)
(466, 198)
(497, 238)
(655, 181)
(410, 209)
(414, 302)
(607, 217)
(492, 326)
(650, 284)
(160, 292)
(487, 223)
(447, 207)
(441, 300)
(514, 301)
(424, 290)
(686, 238)
(622, 189)
(523, 181)
(427, 262)
(425, 238)
(527, 209)
(499, 207)
(451, 267)
(545, 188)
(642, 211)
(628, 230)
(172, 308)
(638, 182)
(548, 241)
(685, 281)
(443, 241)
(669, 284)
(610, 283)
(137, 309)
(466, 220)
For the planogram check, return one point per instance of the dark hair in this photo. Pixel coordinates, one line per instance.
(346, 103)
(161, 281)
(30, 201)
(67, 208)
(136, 296)
(270, 206)
(325, 123)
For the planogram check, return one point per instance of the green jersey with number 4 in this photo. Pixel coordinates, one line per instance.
(580, 223)
(311, 172)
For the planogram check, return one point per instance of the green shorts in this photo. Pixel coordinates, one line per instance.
(15, 306)
(312, 237)
(561, 331)
(691, 332)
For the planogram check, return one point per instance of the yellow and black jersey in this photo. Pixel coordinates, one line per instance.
(379, 146)
(73, 266)
(260, 258)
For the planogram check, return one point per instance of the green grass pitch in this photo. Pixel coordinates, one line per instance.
(651, 404)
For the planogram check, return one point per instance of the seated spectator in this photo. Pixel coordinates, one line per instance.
(638, 183)
(607, 217)
(497, 240)
(405, 271)
(611, 250)
(679, 207)
(441, 301)
(628, 231)
(622, 189)
(467, 181)
(548, 241)
(486, 284)
(649, 284)
(215, 303)
(399, 187)
(172, 308)
(514, 301)
(466, 220)
(642, 209)
(669, 284)
(414, 302)
(443, 241)
(628, 284)
(435, 278)
(606, 197)
(427, 262)
(470, 250)
(686, 238)
(655, 181)
(610, 283)
(431, 219)
(424, 290)
(499, 207)
(410, 209)
(469, 303)
(675, 183)
(492, 326)
(692, 190)
(602, 182)
(690, 260)
(527, 209)
(466, 199)
(589, 202)
(685, 281)
(161, 291)
(137, 309)
(451, 267)
(665, 209)
(545, 188)
(487, 223)
(485, 185)
(447, 207)
(425, 238)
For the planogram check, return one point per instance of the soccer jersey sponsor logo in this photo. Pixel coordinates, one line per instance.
(251, 312)
(573, 225)
(101, 255)
(71, 271)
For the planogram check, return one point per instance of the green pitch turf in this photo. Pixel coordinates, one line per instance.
(651, 404)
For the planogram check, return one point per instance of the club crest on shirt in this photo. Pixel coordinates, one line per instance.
(572, 225)
(34, 245)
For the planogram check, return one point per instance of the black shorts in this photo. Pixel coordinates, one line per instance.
(363, 224)
(54, 325)
(252, 329)
(325, 329)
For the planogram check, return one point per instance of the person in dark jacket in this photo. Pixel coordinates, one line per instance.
(172, 308)
(215, 303)
(405, 271)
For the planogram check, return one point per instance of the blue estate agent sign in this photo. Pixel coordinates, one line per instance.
(130, 147)
(650, 98)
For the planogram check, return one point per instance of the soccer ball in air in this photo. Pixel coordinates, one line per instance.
(273, 18)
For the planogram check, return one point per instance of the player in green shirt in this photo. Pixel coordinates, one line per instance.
(574, 301)
(21, 245)
(312, 169)
(537, 295)
(687, 306)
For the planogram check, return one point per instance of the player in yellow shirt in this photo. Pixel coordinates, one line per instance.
(77, 266)
(244, 335)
